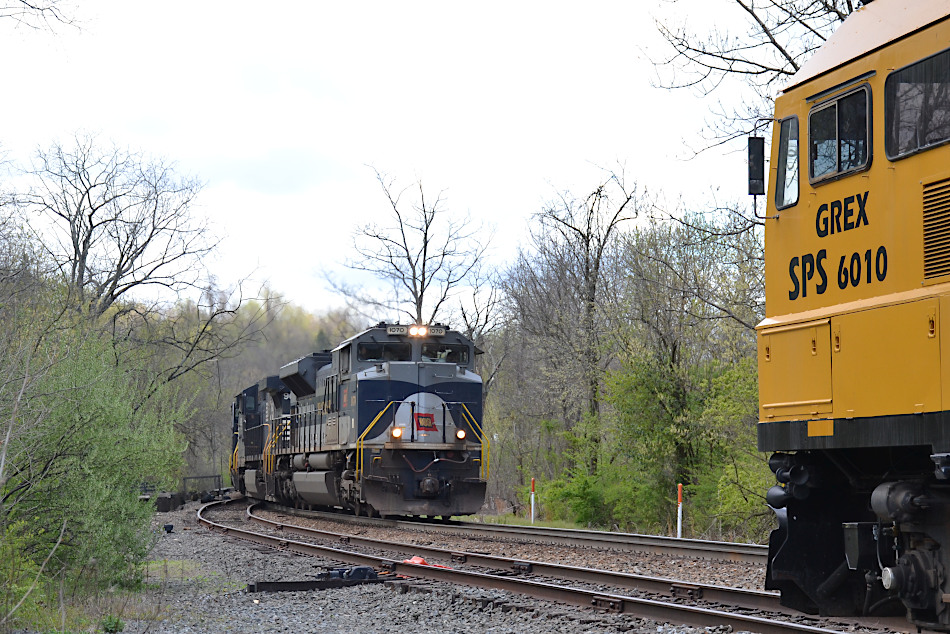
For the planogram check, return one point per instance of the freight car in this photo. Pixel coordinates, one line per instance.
(854, 370)
(387, 423)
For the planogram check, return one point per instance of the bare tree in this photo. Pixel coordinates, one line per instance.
(120, 231)
(35, 14)
(557, 292)
(116, 222)
(423, 255)
(773, 40)
(481, 318)
(731, 284)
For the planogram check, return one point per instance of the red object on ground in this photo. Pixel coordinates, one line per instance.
(419, 561)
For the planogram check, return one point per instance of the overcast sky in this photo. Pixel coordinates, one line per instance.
(281, 110)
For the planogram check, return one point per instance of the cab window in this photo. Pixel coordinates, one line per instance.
(786, 185)
(446, 353)
(384, 352)
(917, 106)
(838, 136)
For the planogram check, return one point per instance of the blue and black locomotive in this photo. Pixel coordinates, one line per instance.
(387, 423)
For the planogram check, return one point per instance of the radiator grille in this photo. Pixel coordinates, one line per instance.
(937, 229)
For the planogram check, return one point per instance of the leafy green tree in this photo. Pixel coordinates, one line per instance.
(684, 395)
(78, 446)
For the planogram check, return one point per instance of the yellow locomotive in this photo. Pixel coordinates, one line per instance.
(854, 368)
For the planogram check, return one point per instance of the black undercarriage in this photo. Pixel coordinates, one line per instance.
(864, 519)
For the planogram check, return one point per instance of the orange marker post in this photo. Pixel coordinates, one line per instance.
(679, 511)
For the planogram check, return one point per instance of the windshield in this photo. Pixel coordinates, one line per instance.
(384, 352)
(445, 352)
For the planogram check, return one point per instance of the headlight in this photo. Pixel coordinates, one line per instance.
(460, 434)
(397, 433)
(417, 331)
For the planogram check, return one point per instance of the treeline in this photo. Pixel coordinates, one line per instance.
(630, 367)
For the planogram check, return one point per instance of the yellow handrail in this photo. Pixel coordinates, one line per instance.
(486, 445)
(359, 441)
(270, 459)
(232, 460)
(266, 448)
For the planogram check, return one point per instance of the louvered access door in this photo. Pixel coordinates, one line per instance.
(936, 207)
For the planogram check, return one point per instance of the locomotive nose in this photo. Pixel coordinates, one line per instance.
(429, 487)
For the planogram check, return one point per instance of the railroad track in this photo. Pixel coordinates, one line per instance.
(632, 542)
(681, 605)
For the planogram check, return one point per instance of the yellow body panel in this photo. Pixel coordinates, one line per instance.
(805, 391)
(851, 254)
(887, 361)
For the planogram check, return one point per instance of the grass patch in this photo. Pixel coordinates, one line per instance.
(163, 572)
(88, 610)
(171, 569)
(53, 611)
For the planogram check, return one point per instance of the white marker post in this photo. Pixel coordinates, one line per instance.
(532, 500)
(679, 511)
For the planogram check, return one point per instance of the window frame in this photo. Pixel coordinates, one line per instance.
(869, 130)
(891, 74)
(784, 181)
(346, 355)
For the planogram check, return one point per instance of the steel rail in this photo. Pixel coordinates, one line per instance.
(702, 549)
(696, 548)
(642, 608)
(738, 597)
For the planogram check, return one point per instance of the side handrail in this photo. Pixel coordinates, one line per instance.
(268, 443)
(359, 441)
(486, 445)
(271, 458)
(233, 459)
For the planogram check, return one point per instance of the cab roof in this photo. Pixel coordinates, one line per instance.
(869, 28)
(383, 325)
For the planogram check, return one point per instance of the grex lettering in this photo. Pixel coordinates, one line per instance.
(841, 215)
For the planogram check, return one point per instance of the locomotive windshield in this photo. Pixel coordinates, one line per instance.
(384, 352)
(445, 352)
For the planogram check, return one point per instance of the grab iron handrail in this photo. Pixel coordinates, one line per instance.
(486, 445)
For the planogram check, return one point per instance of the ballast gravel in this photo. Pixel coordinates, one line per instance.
(722, 573)
(197, 584)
